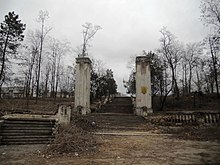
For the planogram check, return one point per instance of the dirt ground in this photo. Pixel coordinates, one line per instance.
(126, 139)
(121, 147)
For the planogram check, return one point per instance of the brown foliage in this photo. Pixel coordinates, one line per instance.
(73, 139)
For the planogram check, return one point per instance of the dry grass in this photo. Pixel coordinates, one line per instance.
(43, 106)
(73, 138)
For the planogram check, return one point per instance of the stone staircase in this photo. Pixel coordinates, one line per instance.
(27, 131)
(117, 116)
(118, 105)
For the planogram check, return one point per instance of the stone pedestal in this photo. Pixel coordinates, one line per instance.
(143, 86)
(82, 85)
(64, 114)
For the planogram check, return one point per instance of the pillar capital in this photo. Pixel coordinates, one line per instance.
(83, 60)
(142, 59)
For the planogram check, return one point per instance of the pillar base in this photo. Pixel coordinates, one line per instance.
(85, 111)
(143, 111)
(64, 114)
(82, 110)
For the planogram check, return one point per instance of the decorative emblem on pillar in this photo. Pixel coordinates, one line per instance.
(144, 90)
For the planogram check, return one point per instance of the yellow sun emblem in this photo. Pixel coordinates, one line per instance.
(144, 90)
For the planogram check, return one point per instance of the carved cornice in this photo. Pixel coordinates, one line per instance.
(142, 59)
(83, 60)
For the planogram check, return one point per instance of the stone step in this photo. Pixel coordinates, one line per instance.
(117, 121)
(133, 128)
(25, 142)
(118, 105)
(121, 100)
(27, 122)
(116, 110)
(27, 131)
(30, 139)
(29, 136)
(29, 126)
(6, 134)
(31, 119)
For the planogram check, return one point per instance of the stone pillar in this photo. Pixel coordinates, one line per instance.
(143, 86)
(82, 85)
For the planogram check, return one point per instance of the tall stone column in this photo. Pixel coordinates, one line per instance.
(82, 85)
(143, 86)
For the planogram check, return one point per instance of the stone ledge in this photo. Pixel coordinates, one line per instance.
(83, 60)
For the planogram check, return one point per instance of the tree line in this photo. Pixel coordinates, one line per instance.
(38, 63)
(179, 69)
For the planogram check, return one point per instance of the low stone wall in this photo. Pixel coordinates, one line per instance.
(1, 123)
(193, 117)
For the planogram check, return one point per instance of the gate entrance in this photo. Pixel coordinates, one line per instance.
(143, 104)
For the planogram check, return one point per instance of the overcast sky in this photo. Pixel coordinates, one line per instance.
(129, 26)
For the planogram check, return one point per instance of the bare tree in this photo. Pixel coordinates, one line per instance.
(30, 62)
(33, 40)
(46, 78)
(214, 50)
(57, 50)
(171, 51)
(42, 17)
(89, 32)
(193, 51)
(199, 78)
(210, 12)
(67, 80)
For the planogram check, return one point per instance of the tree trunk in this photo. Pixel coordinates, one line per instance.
(190, 79)
(4, 57)
(39, 61)
(164, 99)
(174, 82)
(214, 67)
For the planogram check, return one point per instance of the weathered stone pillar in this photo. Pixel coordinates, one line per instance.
(143, 86)
(82, 86)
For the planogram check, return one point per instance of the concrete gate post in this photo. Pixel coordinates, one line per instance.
(82, 85)
(143, 86)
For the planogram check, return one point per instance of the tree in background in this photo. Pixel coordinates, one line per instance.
(67, 81)
(56, 52)
(110, 85)
(89, 32)
(210, 14)
(130, 85)
(102, 81)
(42, 17)
(171, 52)
(190, 56)
(11, 35)
(214, 48)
